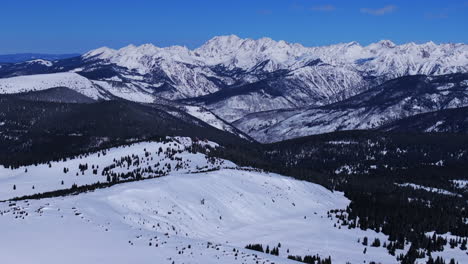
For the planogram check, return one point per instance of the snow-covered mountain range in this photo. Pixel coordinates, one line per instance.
(245, 75)
(234, 77)
(394, 100)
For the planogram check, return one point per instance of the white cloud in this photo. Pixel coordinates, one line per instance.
(379, 11)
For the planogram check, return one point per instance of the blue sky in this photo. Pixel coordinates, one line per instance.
(63, 26)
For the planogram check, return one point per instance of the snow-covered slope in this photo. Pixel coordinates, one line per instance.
(125, 162)
(211, 119)
(91, 88)
(396, 99)
(189, 218)
(449, 120)
(40, 82)
(155, 219)
(189, 208)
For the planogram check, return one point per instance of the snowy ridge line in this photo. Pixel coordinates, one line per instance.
(76, 190)
(72, 190)
(233, 51)
(213, 120)
(95, 170)
(39, 82)
(427, 189)
(101, 185)
(163, 139)
(315, 75)
(239, 168)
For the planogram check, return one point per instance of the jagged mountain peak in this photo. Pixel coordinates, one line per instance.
(246, 53)
(386, 43)
(352, 43)
(224, 38)
(102, 52)
(235, 52)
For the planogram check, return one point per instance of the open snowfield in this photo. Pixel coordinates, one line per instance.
(39, 82)
(188, 216)
(230, 208)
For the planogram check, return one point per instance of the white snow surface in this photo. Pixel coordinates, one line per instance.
(235, 52)
(38, 82)
(45, 178)
(229, 208)
(460, 184)
(40, 61)
(426, 188)
(128, 91)
(188, 216)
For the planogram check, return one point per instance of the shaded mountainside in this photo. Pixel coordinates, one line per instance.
(360, 152)
(38, 131)
(57, 95)
(73, 88)
(363, 152)
(393, 100)
(449, 120)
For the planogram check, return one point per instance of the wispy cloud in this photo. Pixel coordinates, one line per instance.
(323, 8)
(379, 11)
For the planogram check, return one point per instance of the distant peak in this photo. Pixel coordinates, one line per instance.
(225, 38)
(143, 47)
(147, 46)
(386, 43)
(352, 43)
(129, 46)
(430, 43)
(102, 51)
